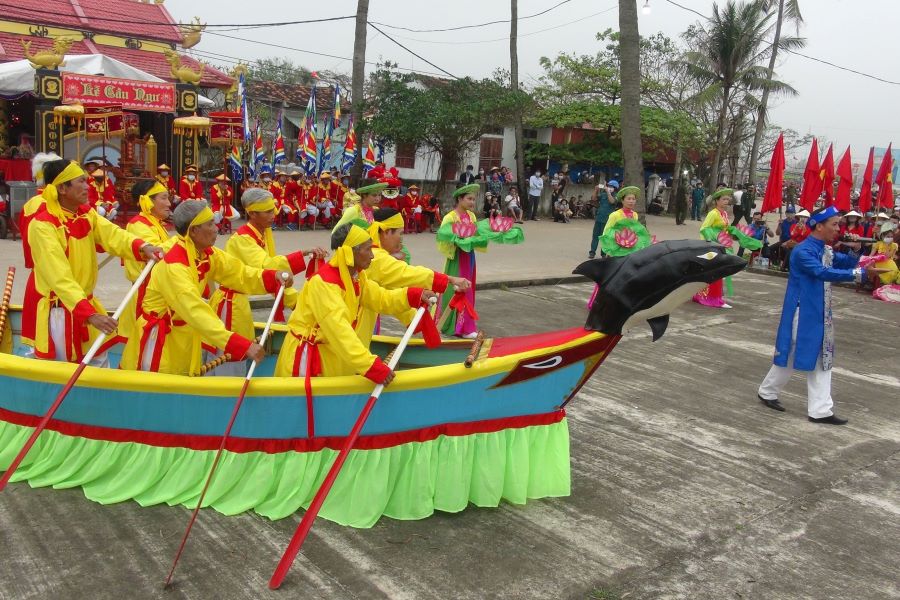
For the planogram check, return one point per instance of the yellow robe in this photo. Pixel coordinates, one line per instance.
(323, 318)
(64, 245)
(142, 228)
(616, 216)
(391, 273)
(249, 246)
(175, 308)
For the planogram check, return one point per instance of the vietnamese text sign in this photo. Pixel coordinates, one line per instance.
(130, 94)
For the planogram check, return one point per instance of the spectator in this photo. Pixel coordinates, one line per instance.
(748, 203)
(467, 177)
(779, 252)
(736, 209)
(561, 212)
(791, 196)
(886, 247)
(681, 202)
(604, 199)
(494, 185)
(514, 204)
(762, 233)
(580, 209)
(655, 207)
(697, 196)
(491, 206)
(535, 188)
(482, 176)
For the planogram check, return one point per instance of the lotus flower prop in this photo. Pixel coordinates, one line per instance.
(725, 239)
(501, 224)
(626, 238)
(747, 230)
(865, 261)
(464, 229)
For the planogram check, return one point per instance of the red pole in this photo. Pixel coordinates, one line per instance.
(290, 553)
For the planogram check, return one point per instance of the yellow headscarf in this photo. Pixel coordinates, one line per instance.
(264, 206)
(202, 217)
(146, 204)
(343, 260)
(394, 222)
(51, 194)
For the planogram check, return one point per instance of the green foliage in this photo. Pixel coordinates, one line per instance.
(279, 69)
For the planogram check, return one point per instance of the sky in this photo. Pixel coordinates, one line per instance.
(842, 107)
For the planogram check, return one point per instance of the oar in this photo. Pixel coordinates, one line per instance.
(95, 347)
(306, 522)
(7, 294)
(234, 414)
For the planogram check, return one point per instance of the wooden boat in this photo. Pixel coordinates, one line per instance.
(440, 437)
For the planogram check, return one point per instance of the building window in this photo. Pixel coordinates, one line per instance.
(406, 156)
(491, 153)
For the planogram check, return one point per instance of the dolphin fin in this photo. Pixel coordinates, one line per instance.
(597, 270)
(658, 325)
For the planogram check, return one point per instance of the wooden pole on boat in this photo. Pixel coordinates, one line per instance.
(290, 553)
(476, 348)
(211, 365)
(234, 414)
(4, 303)
(95, 347)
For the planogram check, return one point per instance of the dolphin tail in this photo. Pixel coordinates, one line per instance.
(598, 269)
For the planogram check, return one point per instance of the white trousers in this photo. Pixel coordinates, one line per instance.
(818, 383)
(57, 324)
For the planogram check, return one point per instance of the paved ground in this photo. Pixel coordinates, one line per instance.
(684, 486)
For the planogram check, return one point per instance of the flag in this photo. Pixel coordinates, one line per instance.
(234, 161)
(865, 189)
(259, 154)
(826, 173)
(326, 145)
(772, 200)
(278, 144)
(336, 121)
(310, 144)
(885, 182)
(845, 183)
(812, 181)
(242, 94)
(369, 156)
(349, 147)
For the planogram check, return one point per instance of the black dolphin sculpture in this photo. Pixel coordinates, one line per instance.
(648, 284)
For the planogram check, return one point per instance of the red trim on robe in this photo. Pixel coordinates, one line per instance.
(237, 347)
(378, 372)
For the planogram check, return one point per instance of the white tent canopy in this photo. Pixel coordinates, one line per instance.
(17, 77)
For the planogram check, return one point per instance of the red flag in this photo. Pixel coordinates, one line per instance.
(885, 181)
(812, 181)
(845, 185)
(827, 175)
(865, 189)
(772, 200)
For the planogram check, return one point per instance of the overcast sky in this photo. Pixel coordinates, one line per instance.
(843, 107)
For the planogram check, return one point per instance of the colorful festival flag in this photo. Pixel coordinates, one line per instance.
(812, 182)
(845, 183)
(326, 145)
(369, 156)
(336, 121)
(242, 94)
(310, 143)
(349, 147)
(865, 189)
(234, 161)
(259, 153)
(773, 198)
(278, 144)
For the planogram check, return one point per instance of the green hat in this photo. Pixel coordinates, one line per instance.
(472, 188)
(628, 190)
(375, 188)
(723, 192)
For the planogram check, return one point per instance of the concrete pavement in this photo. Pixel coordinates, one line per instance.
(683, 484)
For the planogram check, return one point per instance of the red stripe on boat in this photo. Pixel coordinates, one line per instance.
(523, 343)
(270, 446)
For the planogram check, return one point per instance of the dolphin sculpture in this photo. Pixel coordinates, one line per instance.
(648, 284)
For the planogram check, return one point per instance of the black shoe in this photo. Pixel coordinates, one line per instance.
(830, 420)
(592, 254)
(773, 404)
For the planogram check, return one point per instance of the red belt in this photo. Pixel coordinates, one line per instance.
(165, 324)
(313, 369)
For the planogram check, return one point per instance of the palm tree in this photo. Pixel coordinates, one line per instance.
(789, 9)
(630, 113)
(731, 47)
(359, 72)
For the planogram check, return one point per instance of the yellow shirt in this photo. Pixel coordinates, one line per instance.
(448, 249)
(618, 215)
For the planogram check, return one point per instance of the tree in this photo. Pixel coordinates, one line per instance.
(281, 70)
(444, 116)
(729, 49)
(791, 10)
(359, 75)
(630, 75)
(514, 86)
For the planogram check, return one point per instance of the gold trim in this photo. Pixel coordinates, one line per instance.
(100, 39)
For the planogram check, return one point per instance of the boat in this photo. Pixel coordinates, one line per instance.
(442, 435)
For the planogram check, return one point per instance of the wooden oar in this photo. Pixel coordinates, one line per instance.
(306, 522)
(95, 347)
(7, 294)
(476, 348)
(234, 414)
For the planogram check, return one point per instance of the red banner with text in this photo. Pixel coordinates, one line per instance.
(130, 94)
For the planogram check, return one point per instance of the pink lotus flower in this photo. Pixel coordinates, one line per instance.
(626, 238)
(464, 229)
(501, 224)
(725, 239)
(746, 230)
(865, 261)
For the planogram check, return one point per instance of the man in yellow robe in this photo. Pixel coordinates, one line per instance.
(322, 339)
(174, 318)
(390, 272)
(61, 317)
(254, 245)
